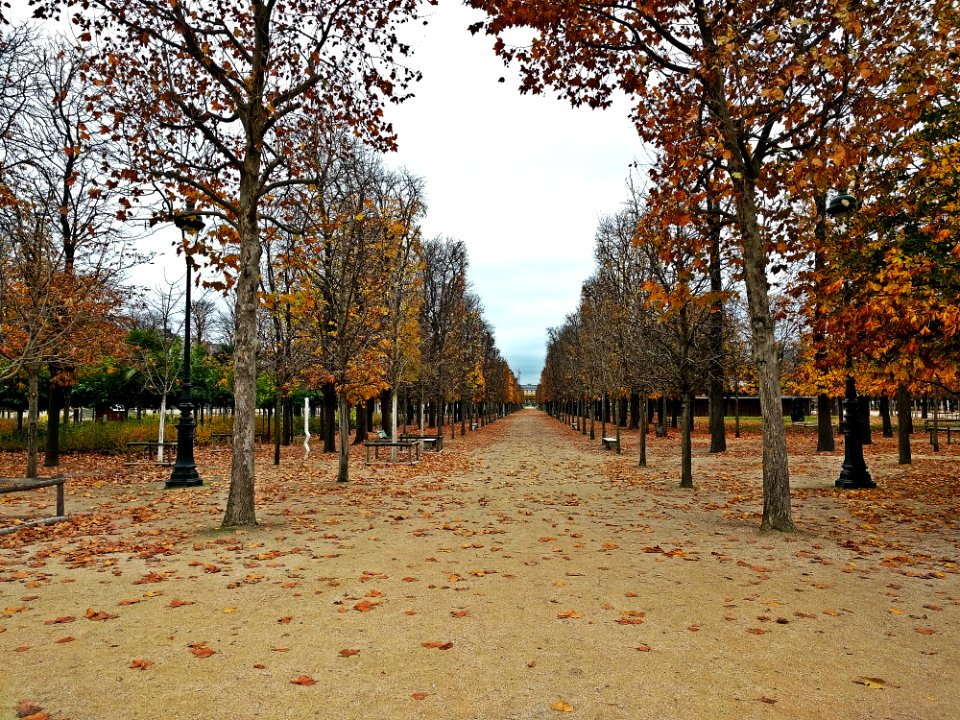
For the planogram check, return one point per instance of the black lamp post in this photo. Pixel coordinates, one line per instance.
(185, 469)
(853, 472)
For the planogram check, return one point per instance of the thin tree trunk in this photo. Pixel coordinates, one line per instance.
(162, 428)
(329, 418)
(343, 471)
(643, 422)
(904, 425)
(51, 457)
(825, 436)
(887, 426)
(716, 382)
(277, 430)
(686, 455)
(33, 412)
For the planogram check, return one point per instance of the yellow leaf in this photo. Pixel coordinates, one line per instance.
(873, 683)
(562, 706)
(229, 610)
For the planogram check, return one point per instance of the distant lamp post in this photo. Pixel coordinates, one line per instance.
(185, 469)
(853, 473)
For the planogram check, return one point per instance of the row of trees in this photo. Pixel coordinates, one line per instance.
(756, 112)
(267, 119)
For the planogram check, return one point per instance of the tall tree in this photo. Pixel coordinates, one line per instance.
(211, 97)
(764, 73)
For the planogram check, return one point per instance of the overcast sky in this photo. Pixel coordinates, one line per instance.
(522, 180)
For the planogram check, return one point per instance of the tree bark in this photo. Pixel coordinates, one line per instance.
(343, 470)
(776, 472)
(360, 436)
(904, 425)
(718, 429)
(51, 457)
(885, 416)
(642, 462)
(33, 412)
(277, 413)
(329, 418)
(686, 455)
(825, 436)
(240, 500)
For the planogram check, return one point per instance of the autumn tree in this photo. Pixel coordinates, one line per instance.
(212, 98)
(768, 76)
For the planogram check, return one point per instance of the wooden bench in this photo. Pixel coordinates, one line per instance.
(948, 429)
(218, 439)
(434, 441)
(609, 443)
(410, 445)
(806, 425)
(147, 450)
(9, 485)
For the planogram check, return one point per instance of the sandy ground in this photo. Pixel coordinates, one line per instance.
(522, 573)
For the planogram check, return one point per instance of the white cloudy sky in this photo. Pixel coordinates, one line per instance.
(521, 179)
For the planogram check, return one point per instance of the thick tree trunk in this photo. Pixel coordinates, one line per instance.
(387, 413)
(634, 411)
(686, 454)
(240, 501)
(343, 470)
(33, 412)
(904, 425)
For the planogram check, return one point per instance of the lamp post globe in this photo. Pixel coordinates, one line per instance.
(184, 472)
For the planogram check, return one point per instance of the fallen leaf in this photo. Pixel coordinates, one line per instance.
(285, 620)
(65, 639)
(139, 664)
(92, 614)
(201, 650)
(180, 603)
(365, 606)
(59, 620)
(925, 630)
(347, 652)
(459, 613)
(304, 680)
(874, 683)
(129, 601)
(569, 613)
(562, 706)
(27, 707)
(757, 631)
(259, 666)
(418, 696)
(229, 610)
(643, 648)
(438, 645)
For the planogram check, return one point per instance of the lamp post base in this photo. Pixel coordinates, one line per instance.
(853, 473)
(184, 477)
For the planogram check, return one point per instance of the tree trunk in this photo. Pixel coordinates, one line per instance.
(361, 435)
(343, 471)
(240, 501)
(387, 412)
(617, 407)
(162, 428)
(776, 471)
(33, 411)
(329, 418)
(885, 416)
(715, 371)
(634, 411)
(904, 425)
(277, 430)
(56, 393)
(865, 431)
(643, 421)
(686, 455)
(825, 436)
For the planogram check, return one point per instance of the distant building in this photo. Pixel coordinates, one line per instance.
(529, 394)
